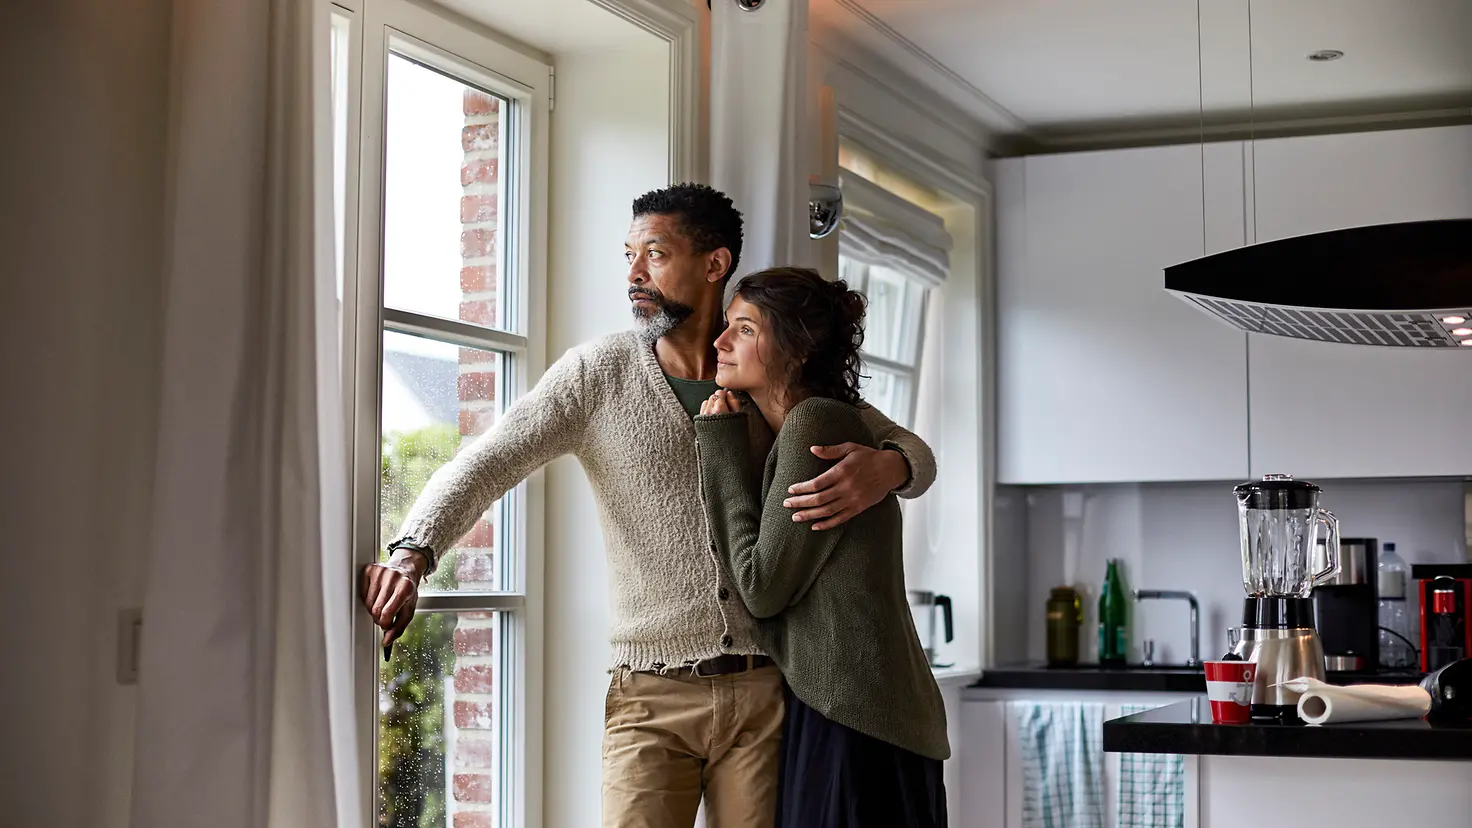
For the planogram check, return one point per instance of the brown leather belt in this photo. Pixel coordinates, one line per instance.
(725, 665)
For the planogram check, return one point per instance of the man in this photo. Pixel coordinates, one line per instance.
(694, 707)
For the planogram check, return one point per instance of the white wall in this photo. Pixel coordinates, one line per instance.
(610, 144)
(82, 161)
(1011, 600)
(907, 129)
(1184, 536)
(953, 564)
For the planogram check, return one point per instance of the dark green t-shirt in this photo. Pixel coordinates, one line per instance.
(691, 393)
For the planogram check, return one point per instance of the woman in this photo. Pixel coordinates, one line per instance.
(864, 733)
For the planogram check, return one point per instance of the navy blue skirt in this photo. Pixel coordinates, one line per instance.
(835, 777)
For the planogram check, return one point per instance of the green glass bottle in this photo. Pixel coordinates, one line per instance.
(1114, 637)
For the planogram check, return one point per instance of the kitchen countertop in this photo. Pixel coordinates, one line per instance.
(1037, 676)
(1186, 728)
(1158, 679)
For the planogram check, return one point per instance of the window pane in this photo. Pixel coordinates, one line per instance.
(339, 42)
(441, 747)
(436, 398)
(890, 392)
(892, 329)
(443, 226)
(341, 29)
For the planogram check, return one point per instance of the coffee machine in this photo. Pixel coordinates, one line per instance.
(1446, 613)
(1347, 607)
(1280, 521)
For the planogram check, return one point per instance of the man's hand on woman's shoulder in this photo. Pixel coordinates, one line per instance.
(862, 477)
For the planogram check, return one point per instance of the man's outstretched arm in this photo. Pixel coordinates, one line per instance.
(546, 423)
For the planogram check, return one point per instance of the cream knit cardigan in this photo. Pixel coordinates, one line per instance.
(608, 403)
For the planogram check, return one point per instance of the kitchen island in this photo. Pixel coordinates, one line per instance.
(1185, 727)
(1158, 678)
(1221, 777)
(1360, 773)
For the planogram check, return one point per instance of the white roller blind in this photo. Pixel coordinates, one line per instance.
(883, 230)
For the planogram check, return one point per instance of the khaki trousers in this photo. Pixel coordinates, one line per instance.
(668, 740)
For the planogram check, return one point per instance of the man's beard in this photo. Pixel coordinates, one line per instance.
(663, 318)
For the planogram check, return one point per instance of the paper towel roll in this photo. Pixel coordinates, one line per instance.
(1331, 704)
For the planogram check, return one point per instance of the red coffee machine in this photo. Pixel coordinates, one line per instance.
(1446, 613)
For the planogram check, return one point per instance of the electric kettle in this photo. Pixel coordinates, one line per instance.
(923, 606)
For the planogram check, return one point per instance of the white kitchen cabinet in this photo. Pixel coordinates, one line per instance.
(1102, 375)
(1329, 410)
(983, 766)
(991, 773)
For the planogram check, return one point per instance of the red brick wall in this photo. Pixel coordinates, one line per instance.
(473, 770)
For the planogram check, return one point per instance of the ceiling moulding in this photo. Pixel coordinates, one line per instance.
(1103, 137)
(843, 23)
(901, 90)
(909, 158)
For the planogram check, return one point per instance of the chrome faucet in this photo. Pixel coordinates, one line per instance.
(1182, 595)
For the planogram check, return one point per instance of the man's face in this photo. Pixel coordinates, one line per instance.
(668, 279)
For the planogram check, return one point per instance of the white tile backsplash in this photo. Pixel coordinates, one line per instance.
(1178, 536)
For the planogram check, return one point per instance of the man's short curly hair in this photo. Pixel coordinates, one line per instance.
(707, 217)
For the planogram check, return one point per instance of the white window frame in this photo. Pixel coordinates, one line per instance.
(856, 274)
(486, 60)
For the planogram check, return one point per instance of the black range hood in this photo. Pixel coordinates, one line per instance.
(1407, 285)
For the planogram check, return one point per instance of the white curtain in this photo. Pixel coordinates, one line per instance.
(883, 230)
(923, 515)
(245, 699)
(760, 132)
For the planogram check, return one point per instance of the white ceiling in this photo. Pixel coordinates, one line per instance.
(555, 26)
(1072, 67)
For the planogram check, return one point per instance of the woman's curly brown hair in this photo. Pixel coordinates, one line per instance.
(817, 328)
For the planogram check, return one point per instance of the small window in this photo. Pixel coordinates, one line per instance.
(898, 255)
(893, 336)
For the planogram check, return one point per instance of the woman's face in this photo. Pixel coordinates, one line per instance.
(742, 351)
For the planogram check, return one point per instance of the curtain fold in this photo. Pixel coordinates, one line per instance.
(924, 516)
(245, 699)
(760, 133)
(883, 230)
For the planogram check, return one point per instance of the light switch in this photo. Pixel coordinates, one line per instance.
(130, 636)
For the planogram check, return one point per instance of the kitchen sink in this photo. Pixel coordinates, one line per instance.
(1155, 668)
(1174, 678)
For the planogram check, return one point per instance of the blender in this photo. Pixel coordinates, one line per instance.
(1283, 558)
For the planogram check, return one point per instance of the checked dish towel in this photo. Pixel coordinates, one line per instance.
(1062, 764)
(1152, 787)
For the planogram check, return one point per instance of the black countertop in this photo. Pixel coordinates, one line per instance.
(1159, 679)
(1186, 727)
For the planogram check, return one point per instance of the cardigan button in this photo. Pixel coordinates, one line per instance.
(723, 594)
(727, 641)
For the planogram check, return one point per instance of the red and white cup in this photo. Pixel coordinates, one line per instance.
(1229, 689)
